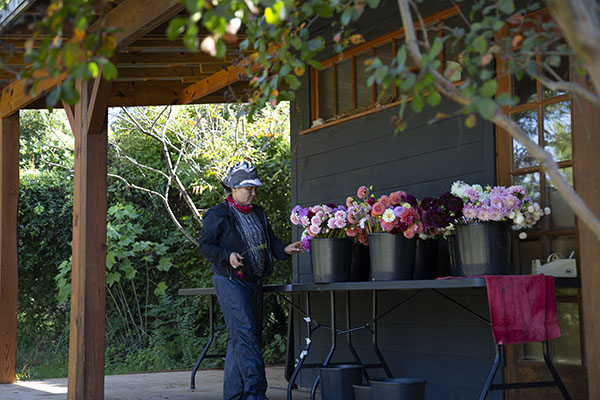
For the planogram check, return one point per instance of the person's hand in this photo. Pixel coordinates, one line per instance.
(294, 248)
(236, 260)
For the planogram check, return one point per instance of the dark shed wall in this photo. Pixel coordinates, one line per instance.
(427, 337)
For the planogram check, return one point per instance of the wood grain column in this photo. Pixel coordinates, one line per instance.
(9, 196)
(586, 148)
(88, 293)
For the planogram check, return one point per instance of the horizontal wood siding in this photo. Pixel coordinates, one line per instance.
(427, 337)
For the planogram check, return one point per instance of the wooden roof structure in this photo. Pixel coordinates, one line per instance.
(152, 70)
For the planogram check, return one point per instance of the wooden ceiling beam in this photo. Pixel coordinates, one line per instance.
(162, 72)
(172, 58)
(212, 84)
(134, 17)
(127, 94)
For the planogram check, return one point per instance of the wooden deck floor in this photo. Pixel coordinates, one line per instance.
(150, 386)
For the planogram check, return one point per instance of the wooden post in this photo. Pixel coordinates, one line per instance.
(88, 292)
(586, 147)
(9, 196)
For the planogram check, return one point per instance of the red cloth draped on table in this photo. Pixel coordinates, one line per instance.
(522, 308)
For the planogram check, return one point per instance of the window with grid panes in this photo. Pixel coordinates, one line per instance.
(340, 88)
(545, 116)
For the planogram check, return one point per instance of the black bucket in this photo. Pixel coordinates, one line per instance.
(480, 249)
(360, 267)
(331, 259)
(426, 259)
(362, 392)
(392, 257)
(398, 389)
(337, 381)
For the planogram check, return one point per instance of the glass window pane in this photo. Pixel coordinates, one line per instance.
(567, 348)
(562, 215)
(563, 72)
(557, 130)
(326, 93)
(344, 86)
(385, 54)
(452, 50)
(526, 89)
(564, 245)
(363, 92)
(528, 120)
(529, 250)
(531, 182)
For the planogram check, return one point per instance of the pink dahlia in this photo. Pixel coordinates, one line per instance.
(378, 209)
(362, 192)
(396, 197)
(385, 200)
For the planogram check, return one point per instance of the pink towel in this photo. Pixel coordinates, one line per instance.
(522, 308)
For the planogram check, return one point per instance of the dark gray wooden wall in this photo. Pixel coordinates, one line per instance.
(427, 337)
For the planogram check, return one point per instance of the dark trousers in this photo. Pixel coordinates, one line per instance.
(242, 306)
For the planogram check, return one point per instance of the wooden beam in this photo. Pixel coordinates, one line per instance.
(162, 72)
(88, 282)
(98, 106)
(212, 84)
(9, 196)
(172, 58)
(586, 148)
(134, 17)
(155, 93)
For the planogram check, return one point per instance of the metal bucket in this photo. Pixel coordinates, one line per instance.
(426, 258)
(480, 249)
(398, 388)
(331, 259)
(362, 392)
(337, 381)
(392, 257)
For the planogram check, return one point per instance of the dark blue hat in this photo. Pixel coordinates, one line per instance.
(242, 174)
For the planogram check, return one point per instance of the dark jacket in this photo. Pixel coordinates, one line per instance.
(220, 238)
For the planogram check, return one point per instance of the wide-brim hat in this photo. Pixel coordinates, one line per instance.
(242, 174)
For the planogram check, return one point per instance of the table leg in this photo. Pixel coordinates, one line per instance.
(349, 336)
(211, 334)
(333, 342)
(305, 351)
(384, 365)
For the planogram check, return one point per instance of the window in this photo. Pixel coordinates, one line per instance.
(340, 89)
(545, 116)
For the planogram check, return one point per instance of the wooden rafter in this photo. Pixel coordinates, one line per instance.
(134, 17)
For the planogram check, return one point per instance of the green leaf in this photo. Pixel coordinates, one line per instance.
(53, 97)
(346, 16)
(324, 10)
(470, 121)
(109, 71)
(93, 68)
(486, 107)
(292, 81)
(381, 73)
(176, 27)
(161, 289)
(437, 47)
(506, 6)
(315, 44)
(480, 44)
(315, 64)
(164, 264)
(504, 99)
(434, 98)
(417, 103)
(112, 277)
(271, 17)
(488, 89)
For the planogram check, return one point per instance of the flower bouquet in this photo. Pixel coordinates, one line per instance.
(394, 214)
(498, 203)
(325, 237)
(320, 221)
(438, 215)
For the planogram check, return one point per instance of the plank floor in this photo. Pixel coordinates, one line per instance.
(151, 386)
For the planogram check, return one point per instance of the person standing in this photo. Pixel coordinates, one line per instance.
(238, 241)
